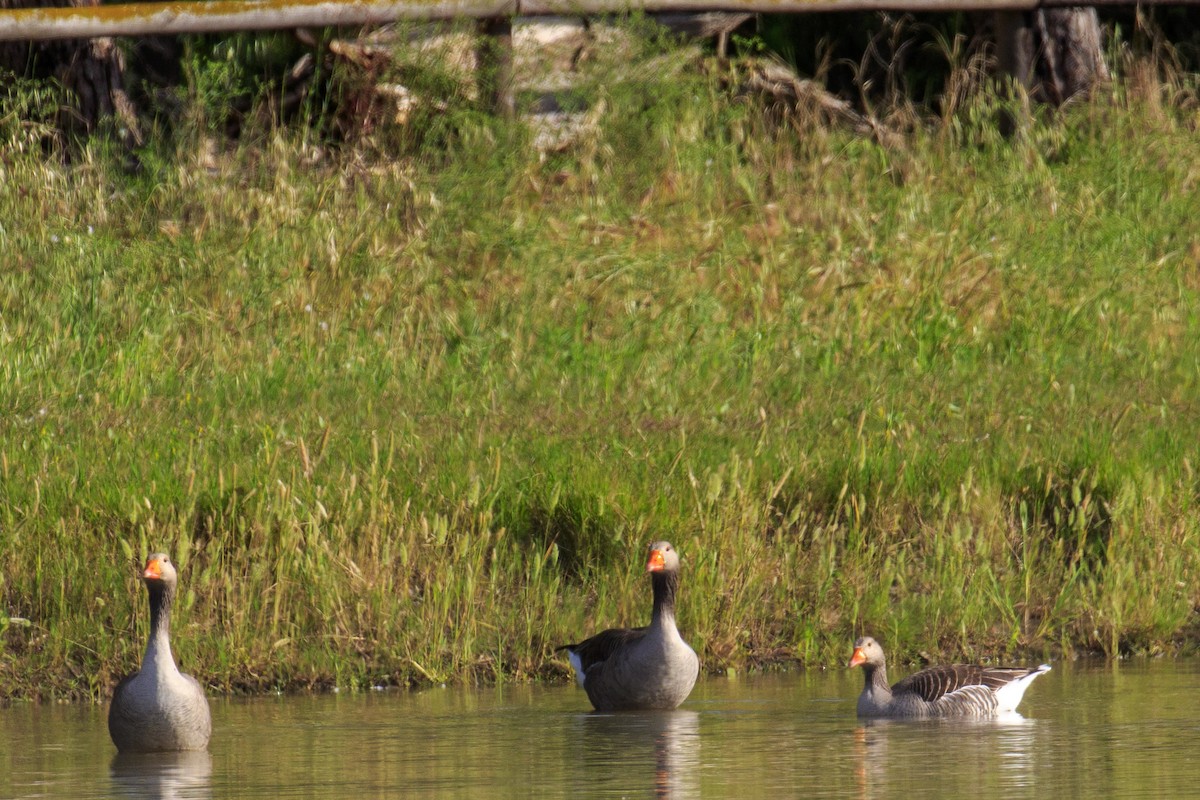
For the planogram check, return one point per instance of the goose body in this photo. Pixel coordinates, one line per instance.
(640, 668)
(954, 690)
(158, 708)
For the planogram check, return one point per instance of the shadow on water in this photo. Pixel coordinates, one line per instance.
(631, 752)
(163, 776)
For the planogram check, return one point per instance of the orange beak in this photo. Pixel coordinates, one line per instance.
(657, 561)
(153, 570)
(858, 657)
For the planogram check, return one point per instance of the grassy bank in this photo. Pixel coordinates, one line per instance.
(415, 419)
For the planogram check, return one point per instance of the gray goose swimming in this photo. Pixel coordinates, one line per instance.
(640, 668)
(955, 690)
(158, 708)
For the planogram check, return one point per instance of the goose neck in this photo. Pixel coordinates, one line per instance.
(875, 679)
(158, 648)
(666, 586)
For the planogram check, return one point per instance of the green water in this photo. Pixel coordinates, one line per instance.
(1099, 730)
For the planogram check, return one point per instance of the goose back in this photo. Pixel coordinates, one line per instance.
(934, 682)
(653, 670)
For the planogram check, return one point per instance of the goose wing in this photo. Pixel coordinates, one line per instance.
(934, 683)
(597, 649)
(968, 701)
(962, 688)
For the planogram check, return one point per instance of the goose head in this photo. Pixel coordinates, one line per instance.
(160, 572)
(663, 558)
(867, 651)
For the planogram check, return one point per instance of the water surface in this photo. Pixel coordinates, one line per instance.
(1102, 730)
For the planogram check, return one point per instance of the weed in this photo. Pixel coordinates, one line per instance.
(415, 418)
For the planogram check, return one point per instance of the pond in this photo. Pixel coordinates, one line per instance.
(1087, 729)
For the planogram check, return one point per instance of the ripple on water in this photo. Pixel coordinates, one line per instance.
(1096, 730)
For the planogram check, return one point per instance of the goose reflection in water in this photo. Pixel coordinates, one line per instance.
(185, 775)
(633, 748)
(955, 754)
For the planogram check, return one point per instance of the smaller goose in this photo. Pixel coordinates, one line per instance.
(956, 690)
(640, 668)
(158, 708)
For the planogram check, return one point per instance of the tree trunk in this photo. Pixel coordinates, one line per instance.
(1054, 53)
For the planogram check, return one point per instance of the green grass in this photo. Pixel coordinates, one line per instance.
(415, 419)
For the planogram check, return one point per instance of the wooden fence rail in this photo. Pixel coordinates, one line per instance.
(190, 16)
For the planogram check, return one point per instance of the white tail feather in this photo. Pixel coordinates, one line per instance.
(1009, 695)
(577, 665)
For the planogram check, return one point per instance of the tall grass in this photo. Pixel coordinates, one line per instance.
(414, 420)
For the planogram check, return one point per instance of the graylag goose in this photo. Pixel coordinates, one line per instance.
(640, 668)
(158, 708)
(955, 690)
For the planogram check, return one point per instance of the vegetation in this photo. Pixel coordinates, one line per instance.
(410, 418)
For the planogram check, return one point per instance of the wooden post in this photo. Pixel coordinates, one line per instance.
(495, 55)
